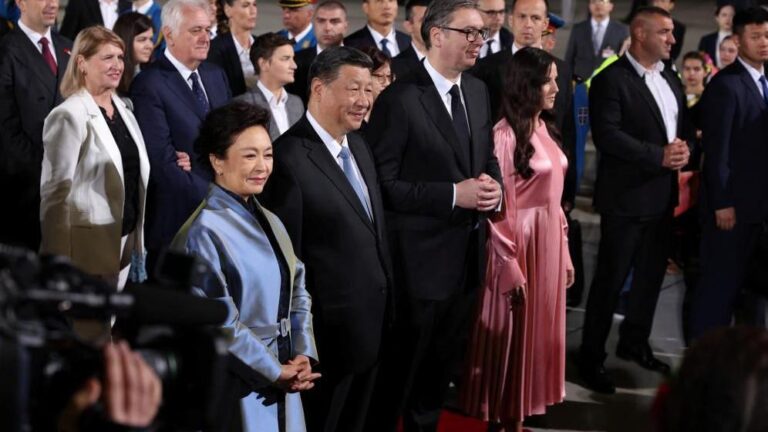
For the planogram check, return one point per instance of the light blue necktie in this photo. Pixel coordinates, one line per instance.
(764, 83)
(349, 171)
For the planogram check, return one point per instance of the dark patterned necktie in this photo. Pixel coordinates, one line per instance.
(197, 90)
(48, 57)
(764, 84)
(385, 48)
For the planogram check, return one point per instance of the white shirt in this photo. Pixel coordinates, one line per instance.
(108, 12)
(755, 74)
(143, 9)
(600, 34)
(720, 36)
(35, 38)
(419, 54)
(244, 54)
(301, 35)
(662, 94)
(495, 45)
(276, 106)
(444, 86)
(185, 71)
(392, 46)
(334, 148)
(516, 48)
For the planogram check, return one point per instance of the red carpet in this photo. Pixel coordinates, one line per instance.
(452, 422)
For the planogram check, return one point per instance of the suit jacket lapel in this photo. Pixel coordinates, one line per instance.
(62, 54)
(138, 139)
(102, 131)
(319, 155)
(29, 55)
(176, 82)
(94, 11)
(283, 240)
(367, 168)
(435, 108)
(746, 78)
(639, 84)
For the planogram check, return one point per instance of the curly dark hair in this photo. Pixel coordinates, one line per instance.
(223, 125)
(722, 385)
(528, 71)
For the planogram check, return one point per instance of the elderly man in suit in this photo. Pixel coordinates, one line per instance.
(380, 29)
(297, 19)
(734, 123)
(431, 136)
(171, 98)
(32, 60)
(594, 40)
(330, 23)
(640, 126)
(411, 58)
(326, 192)
(272, 58)
(499, 38)
(85, 13)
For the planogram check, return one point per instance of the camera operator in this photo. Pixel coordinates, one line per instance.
(131, 395)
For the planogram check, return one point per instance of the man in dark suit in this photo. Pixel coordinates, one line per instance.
(410, 59)
(431, 136)
(380, 30)
(32, 60)
(171, 99)
(494, 14)
(325, 190)
(638, 114)
(734, 123)
(330, 24)
(594, 40)
(85, 13)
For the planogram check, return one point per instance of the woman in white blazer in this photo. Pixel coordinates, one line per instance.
(95, 166)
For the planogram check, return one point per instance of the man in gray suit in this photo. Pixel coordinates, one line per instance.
(272, 57)
(594, 40)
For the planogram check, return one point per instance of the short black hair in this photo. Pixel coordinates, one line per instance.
(649, 10)
(412, 4)
(721, 6)
(330, 4)
(264, 46)
(378, 58)
(512, 4)
(745, 17)
(439, 14)
(327, 64)
(223, 125)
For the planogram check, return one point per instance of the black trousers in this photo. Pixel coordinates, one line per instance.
(339, 402)
(642, 244)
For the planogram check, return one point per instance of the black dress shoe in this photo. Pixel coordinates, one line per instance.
(642, 355)
(596, 378)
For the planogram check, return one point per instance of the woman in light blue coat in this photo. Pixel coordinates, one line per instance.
(259, 276)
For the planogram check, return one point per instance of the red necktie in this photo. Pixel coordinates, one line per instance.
(48, 57)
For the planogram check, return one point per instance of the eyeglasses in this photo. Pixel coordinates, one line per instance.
(471, 33)
(384, 79)
(499, 12)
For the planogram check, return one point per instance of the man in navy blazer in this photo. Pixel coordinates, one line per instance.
(734, 198)
(171, 99)
(380, 30)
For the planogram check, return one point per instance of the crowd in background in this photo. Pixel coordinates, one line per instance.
(387, 212)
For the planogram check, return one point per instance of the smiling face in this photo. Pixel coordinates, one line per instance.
(191, 43)
(39, 15)
(330, 26)
(102, 71)
(549, 89)
(247, 163)
(528, 21)
(242, 15)
(142, 47)
(344, 102)
(380, 12)
(456, 52)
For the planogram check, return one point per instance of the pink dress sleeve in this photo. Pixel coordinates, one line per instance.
(505, 269)
(566, 250)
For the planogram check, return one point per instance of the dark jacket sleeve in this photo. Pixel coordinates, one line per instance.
(718, 109)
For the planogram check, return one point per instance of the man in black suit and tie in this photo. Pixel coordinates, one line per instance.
(380, 31)
(171, 98)
(639, 124)
(431, 136)
(594, 40)
(325, 190)
(411, 58)
(734, 123)
(85, 13)
(494, 14)
(32, 61)
(330, 24)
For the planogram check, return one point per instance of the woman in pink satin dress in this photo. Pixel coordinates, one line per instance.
(516, 363)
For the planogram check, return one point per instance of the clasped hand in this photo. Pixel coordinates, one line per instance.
(297, 375)
(676, 154)
(482, 193)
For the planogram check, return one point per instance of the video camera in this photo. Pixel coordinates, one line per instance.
(44, 361)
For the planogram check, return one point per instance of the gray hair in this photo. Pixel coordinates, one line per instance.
(173, 12)
(439, 14)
